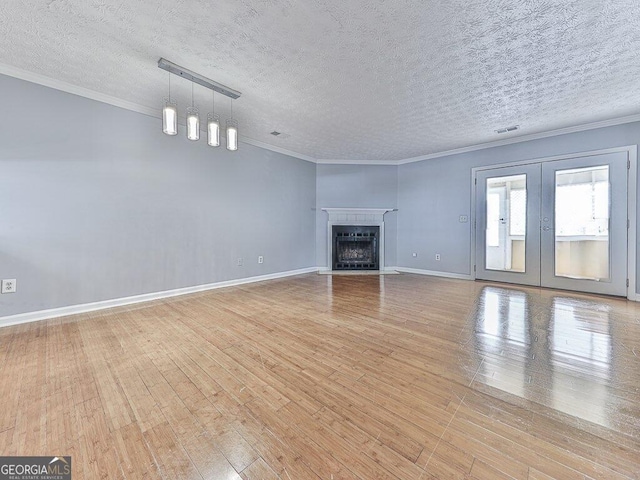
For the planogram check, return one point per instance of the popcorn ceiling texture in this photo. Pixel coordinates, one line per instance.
(349, 80)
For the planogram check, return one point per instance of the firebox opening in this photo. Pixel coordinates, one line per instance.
(355, 247)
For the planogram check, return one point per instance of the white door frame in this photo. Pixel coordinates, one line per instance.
(632, 185)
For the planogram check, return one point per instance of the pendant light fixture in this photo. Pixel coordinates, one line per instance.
(213, 124)
(232, 132)
(170, 115)
(193, 120)
(170, 110)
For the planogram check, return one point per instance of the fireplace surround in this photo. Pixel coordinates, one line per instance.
(356, 217)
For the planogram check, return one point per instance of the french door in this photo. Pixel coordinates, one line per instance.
(560, 224)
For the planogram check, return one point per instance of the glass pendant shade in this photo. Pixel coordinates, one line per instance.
(213, 130)
(232, 135)
(193, 124)
(170, 117)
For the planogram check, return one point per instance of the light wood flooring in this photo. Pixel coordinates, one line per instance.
(333, 377)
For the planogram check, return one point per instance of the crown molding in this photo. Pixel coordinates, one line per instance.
(497, 143)
(526, 138)
(329, 161)
(117, 102)
(56, 84)
(273, 148)
(75, 90)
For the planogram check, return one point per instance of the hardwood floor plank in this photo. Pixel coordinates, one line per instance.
(170, 456)
(259, 470)
(482, 471)
(549, 455)
(269, 431)
(231, 444)
(319, 377)
(350, 456)
(560, 437)
(134, 455)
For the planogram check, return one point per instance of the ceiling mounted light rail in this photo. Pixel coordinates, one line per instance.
(170, 110)
(197, 78)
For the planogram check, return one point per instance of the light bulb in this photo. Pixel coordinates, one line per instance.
(213, 130)
(170, 118)
(232, 135)
(193, 124)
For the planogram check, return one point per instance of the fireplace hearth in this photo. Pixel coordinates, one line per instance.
(356, 247)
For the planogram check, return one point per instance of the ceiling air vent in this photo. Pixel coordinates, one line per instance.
(508, 129)
(275, 133)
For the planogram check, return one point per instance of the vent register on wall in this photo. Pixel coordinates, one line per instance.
(170, 109)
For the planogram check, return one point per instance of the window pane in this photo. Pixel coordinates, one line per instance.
(582, 223)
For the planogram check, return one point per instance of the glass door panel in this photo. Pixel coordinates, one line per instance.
(508, 224)
(582, 223)
(506, 200)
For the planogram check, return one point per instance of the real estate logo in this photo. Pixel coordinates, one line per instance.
(35, 468)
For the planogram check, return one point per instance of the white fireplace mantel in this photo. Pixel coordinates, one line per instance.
(358, 211)
(355, 216)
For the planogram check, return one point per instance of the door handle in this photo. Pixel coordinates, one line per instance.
(545, 228)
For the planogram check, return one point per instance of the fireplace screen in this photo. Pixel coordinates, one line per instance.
(355, 247)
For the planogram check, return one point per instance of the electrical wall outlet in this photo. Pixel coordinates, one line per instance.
(260, 259)
(463, 218)
(9, 285)
(438, 256)
(240, 262)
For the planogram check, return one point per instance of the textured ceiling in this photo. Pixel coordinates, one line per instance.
(351, 80)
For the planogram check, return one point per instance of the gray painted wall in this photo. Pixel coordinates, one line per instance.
(96, 203)
(357, 186)
(433, 193)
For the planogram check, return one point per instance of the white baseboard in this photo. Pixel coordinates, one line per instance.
(147, 297)
(434, 273)
(631, 296)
